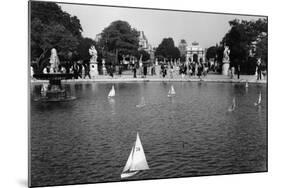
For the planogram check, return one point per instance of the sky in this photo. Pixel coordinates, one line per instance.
(205, 28)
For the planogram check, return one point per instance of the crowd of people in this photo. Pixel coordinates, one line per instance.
(190, 68)
(164, 69)
(80, 69)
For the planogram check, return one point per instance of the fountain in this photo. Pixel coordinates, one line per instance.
(54, 92)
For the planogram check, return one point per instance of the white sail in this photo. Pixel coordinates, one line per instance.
(129, 161)
(247, 85)
(139, 160)
(136, 161)
(173, 92)
(112, 92)
(259, 101)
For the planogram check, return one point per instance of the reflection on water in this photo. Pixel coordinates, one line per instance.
(190, 134)
(111, 102)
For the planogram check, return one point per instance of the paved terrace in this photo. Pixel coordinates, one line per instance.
(177, 78)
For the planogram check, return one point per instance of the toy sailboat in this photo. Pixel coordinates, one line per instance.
(233, 106)
(136, 161)
(247, 85)
(259, 101)
(172, 91)
(112, 92)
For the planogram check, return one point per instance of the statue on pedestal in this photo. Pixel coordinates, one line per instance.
(225, 60)
(93, 61)
(103, 67)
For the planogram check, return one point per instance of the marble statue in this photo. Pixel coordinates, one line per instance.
(226, 53)
(93, 52)
(93, 61)
(225, 60)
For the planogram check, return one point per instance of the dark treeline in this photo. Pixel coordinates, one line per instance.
(247, 41)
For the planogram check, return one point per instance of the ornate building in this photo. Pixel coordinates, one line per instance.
(98, 37)
(195, 52)
(143, 42)
(182, 47)
(144, 45)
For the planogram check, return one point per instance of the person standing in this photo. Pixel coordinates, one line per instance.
(144, 70)
(75, 70)
(199, 69)
(205, 69)
(185, 69)
(171, 71)
(163, 70)
(238, 71)
(259, 69)
(110, 70)
(79, 67)
(120, 69)
(141, 67)
(153, 69)
(232, 72)
(87, 69)
(135, 70)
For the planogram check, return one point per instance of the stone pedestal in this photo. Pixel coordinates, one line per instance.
(104, 72)
(225, 68)
(94, 69)
(157, 70)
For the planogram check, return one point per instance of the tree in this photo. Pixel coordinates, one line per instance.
(211, 52)
(119, 38)
(52, 28)
(242, 38)
(145, 55)
(83, 48)
(262, 49)
(167, 49)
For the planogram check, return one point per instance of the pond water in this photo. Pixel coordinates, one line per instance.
(191, 134)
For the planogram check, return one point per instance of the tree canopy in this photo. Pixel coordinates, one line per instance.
(167, 49)
(120, 38)
(243, 38)
(145, 55)
(83, 48)
(53, 28)
(211, 52)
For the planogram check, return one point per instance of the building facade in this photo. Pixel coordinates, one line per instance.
(144, 45)
(143, 42)
(182, 47)
(195, 52)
